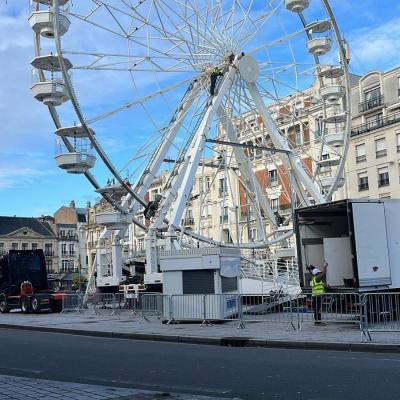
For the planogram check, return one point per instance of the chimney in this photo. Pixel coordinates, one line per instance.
(72, 204)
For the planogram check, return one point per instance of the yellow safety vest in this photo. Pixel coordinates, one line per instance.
(318, 287)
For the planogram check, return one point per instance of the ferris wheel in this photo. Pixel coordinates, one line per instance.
(247, 96)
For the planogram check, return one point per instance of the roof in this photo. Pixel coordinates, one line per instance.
(12, 224)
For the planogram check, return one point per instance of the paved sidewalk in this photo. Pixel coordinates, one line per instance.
(259, 333)
(16, 388)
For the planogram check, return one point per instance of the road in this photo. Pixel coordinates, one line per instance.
(247, 373)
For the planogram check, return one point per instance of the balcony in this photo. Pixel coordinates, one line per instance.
(188, 221)
(221, 192)
(381, 153)
(68, 254)
(371, 104)
(363, 186)
(360, 159)
(67, 237)
(379, 123)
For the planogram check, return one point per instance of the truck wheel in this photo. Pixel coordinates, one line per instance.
(4, 306)
(25, 306)
(36, 306)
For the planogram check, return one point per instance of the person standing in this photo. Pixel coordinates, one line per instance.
(318, 291)
(215, 74)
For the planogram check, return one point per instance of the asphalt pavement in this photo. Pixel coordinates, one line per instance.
(229, 372)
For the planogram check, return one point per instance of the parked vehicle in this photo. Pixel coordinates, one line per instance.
(358, 238)
(23, 283)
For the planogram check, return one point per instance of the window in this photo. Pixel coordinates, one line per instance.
(363, 181)
(64, 249)
(298, 136)
(224, 216)
(24, 246)
(222, 186)
(14, 246)
(34, 246)
(360, 153)
(48, 249)
(275, 204)
(273, 177)
(253, 234)
(49, 265)
(208, 182)
(71, 249)
(64, 265)
(318, 127)
(383, 176)
(372, 95)
(398, 142)
(1, 248)
(380, 147)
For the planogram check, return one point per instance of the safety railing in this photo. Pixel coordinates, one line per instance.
(266, 308)
(373, 312)
(207, 308)
(329, 307)
(381, 313)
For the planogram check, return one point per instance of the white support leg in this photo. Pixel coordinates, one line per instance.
(182, 184)
(150, 173)
(249, 176)
(292, 161)
(195, 152)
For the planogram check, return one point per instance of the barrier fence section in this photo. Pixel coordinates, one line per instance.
(381, 313)
(330, 307)
(374, 312)
(266, 308)
(202, 307)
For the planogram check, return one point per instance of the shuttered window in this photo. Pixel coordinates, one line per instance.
(198, 282)
(228, 284)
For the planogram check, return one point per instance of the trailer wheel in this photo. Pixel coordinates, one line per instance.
(4, 306)
(36, 305)
(25, 305)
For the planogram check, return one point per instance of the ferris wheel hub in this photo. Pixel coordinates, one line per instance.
(248, 68)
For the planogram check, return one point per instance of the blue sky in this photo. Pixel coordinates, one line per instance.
(30, 182)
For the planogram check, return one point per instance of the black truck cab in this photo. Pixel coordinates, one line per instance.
(23, 282)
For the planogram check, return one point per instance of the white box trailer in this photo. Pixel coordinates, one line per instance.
(360, 240)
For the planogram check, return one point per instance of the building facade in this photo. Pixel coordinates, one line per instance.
(70, 223)
(19, 233)
(373, 162)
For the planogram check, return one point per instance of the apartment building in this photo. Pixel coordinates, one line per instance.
(19, 233)
(373, 162)
(70, 223)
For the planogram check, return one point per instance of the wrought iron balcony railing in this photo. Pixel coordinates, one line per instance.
(371, 104)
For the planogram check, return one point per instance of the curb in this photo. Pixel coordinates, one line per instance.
(222, 341)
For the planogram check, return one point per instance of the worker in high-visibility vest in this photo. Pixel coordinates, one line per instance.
(317, 284)
(215, 74)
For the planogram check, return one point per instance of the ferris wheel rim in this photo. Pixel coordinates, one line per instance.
(84, 122)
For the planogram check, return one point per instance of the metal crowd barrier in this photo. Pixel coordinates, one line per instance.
(331, 307)
(207, 308)
(266, 308)
(71, 303)
(374, 312)
(381, 313)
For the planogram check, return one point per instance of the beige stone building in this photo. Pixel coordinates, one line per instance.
(19, 233)
(373, 162)
(70, 224)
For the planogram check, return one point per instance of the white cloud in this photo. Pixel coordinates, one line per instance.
(375, 48)
(16, 176)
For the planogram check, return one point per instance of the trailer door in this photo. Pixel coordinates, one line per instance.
(371, 244)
